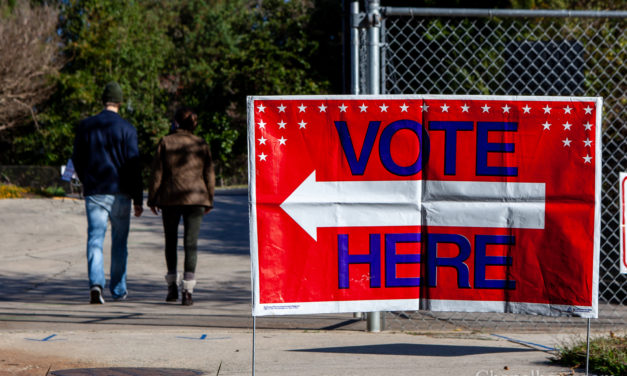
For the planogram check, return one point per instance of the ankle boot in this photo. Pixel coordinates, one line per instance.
(188, 288)
(173, 290)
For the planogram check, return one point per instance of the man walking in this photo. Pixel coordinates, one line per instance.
(106, 160)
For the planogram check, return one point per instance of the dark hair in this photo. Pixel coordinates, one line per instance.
(186, 118)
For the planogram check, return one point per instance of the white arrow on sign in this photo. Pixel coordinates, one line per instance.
(316, 204)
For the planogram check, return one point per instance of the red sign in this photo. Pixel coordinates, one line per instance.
(623, 237)
(447, 203)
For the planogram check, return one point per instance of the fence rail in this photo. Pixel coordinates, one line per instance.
(510, 52)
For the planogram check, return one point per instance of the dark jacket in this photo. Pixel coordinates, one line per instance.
(182, 172)
(106, 156)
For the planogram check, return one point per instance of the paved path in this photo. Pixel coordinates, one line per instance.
(46, 324)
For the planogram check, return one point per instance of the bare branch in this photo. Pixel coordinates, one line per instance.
(29, 59)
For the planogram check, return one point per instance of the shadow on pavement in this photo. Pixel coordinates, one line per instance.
(119, 371)
(225, 228)
(223, 231)
(76, 291)
(416, 350)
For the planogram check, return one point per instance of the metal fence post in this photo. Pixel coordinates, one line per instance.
(354, 19)
(374, 56)
(354, 47)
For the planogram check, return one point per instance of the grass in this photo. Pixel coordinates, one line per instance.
(13, 191)
(608, 354)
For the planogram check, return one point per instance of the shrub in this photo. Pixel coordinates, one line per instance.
(11, 191)
(608, 355)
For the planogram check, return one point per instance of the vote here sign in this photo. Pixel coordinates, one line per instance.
(445, 203)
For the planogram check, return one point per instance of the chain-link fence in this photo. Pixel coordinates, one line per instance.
(446, 51)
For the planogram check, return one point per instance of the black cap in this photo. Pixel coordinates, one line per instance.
(112, 93)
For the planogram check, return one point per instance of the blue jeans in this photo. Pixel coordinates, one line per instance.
(100, 209)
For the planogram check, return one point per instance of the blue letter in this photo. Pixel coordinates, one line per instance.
(392, 259)
(344, 259)
(457, 262)
(481, 260)
(385, 153)
(358, 166)
(484, 147)
(450, 129)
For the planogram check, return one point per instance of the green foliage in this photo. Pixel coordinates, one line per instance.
(53, 191)
(226, 50)
(608, 355)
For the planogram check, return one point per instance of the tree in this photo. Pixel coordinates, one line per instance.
(227, 50)
(103, 41)
(29, 59)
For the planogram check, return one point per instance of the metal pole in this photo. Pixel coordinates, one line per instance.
(355, 47)
(355, 21)
(588, 348)
(254, 334)
(509, 13)
(374, 321)
(374, 27)
(374, 55)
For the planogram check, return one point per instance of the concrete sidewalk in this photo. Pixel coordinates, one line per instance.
(48, 327)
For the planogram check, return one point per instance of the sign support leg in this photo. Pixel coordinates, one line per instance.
(588, 348)
(254, 334)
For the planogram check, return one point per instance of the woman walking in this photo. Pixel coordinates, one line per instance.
(182, 185)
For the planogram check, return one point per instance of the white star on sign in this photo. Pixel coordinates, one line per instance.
(506, 109)
(567, 126)
(588, 143)
(282, 124)
(322, 108)
(587, 159)
(526, 109)
(588, 126)
(262, 157)
(444, 107)
(486, 108)
(404, 108)
(566, 142)
(588, 110)
(546, 125)
(261, 108)
(425, 108)
(281, 108)
(282, 140)
(547, 109)
(262, 140)
(383, 108)
(567, 109)
(302, 124)
(465, 108)
(261, 124)
(363, 107)
(343, 108)
(302, 108)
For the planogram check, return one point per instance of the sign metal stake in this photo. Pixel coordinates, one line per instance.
(254, 335)
(588, 348)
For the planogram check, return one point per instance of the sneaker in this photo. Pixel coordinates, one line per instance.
(121, 298)
(95, 295)
(187, 298)
(173, 293)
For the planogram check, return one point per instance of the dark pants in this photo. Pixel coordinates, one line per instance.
(192, 218)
